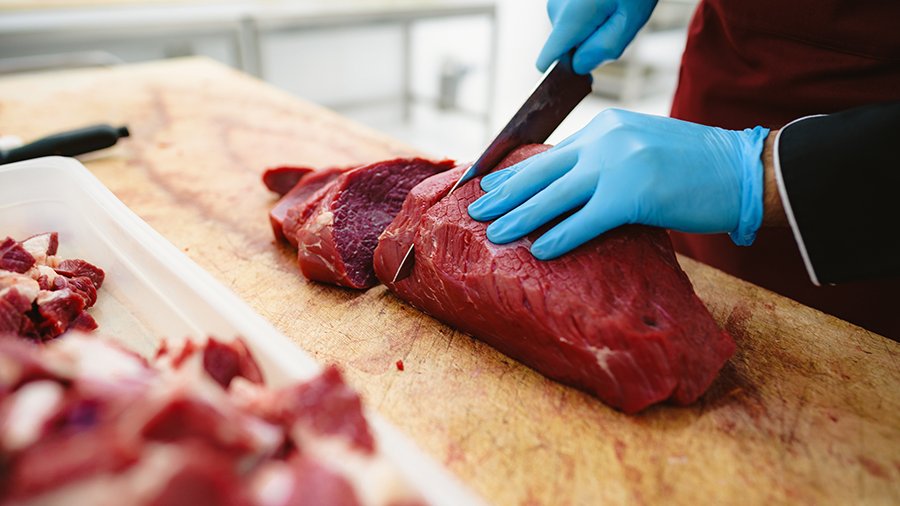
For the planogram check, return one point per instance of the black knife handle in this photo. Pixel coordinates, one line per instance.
(71, 143)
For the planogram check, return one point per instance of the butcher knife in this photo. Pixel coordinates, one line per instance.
(559, 91)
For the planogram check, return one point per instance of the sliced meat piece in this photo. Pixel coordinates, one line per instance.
(281, 179)
(293, 209)
(203, 476)
(327, 406)
(302, 481)
(74, 268)
(617, 317)
(14, 257)
(336, 241)
(57, 310)
(42, 245)
(81, 286)
(226, 361)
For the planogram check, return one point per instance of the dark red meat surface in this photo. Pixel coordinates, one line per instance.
(281, 179)
(336, 227)
(294, 207)
(617, 317)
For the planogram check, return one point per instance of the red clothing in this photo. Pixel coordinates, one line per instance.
(768, 62)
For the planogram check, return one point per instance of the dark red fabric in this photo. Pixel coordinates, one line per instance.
(766, 63)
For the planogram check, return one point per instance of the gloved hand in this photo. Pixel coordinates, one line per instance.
(599, 28)
(625, 167)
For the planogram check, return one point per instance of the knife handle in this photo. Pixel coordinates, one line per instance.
(71, 143)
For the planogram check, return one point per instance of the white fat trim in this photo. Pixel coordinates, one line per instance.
(30, 408)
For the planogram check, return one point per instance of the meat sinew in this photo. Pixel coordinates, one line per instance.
(336, 227)
(617, 317)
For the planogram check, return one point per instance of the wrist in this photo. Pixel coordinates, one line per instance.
(773, 208)
(750, 165)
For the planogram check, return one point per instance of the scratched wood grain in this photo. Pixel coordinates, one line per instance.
(807, 411)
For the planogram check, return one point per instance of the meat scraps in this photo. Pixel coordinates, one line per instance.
(334, 217)
(83, 421)
(617, 317)
(281, 179)
(42, 295)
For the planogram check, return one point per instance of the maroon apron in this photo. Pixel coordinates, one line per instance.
(767, 62)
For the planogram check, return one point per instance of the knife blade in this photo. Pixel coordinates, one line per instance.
(558, 92)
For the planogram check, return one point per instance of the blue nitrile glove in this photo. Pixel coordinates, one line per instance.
(599, 28)
(625, 167)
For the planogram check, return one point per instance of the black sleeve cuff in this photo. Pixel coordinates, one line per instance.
(839, 179)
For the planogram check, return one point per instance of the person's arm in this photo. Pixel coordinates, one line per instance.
(837, 176)
(773, 209)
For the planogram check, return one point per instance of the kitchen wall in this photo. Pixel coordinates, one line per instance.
(358, 70)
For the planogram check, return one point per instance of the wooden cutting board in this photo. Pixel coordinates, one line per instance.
(807, 411)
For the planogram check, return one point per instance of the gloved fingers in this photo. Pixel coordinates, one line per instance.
(573, 22)
(569, 192)
(599, 215)
(605, 44)
(523, 185)
(495, 179)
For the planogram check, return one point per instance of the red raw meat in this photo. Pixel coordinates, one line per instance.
(294, 207)
(109, 425)
(75, 268)
(14, 257)
(337, 228)
(281, 179)
(57, 310)
(42, 245)
(49, 294)
(313, 484)
(617, 317)
(202, 476)
(226, 361)
(328, 407)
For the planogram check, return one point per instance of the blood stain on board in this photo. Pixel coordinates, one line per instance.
(736, 323)
(872, 467)
(399, 365)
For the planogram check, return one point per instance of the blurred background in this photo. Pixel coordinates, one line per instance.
(441, 75)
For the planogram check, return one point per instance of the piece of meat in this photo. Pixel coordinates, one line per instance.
(14, 257)
(41, 246)
(281, 179)
(327, 406)
(336, 240)
(616, 317)
(226, 361)
(74, 268)
(294, 207)
(84, 421)
(57, 311)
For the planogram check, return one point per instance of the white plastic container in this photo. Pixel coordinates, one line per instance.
(152, 290)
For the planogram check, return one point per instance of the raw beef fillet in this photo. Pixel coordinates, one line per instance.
(42, 295)
(83, 421)
(617, 317)
(336, 228)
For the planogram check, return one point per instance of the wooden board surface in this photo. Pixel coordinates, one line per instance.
(807, 411)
